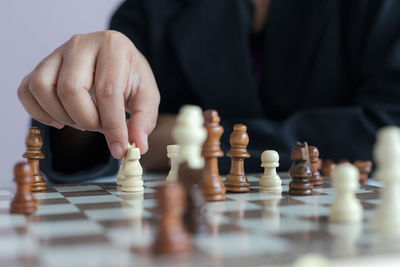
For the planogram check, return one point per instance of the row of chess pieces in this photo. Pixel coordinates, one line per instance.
(194, 177)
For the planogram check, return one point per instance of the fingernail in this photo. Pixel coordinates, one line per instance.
(116, 150)
(57, 124)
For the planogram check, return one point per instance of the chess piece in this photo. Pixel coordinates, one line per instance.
(120, 174)
(194, 219)
(33, 154)
(172, 237)
(190, 134)
(270, 181)
(236, 180)
(364, 167)
(328, 165)
(132, 172)
(346, 207)
(300, 171)
(173, 154)
(386, 219)
(316, 177)
(23, 202)
(211, 182)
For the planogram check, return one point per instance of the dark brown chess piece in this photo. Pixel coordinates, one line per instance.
(364, 167)
(23, 202)
(194, 219)
(328, 165)
(316, 177)
(300, 171)
(172, 237)
(33, 154)
(211, 182)
(236, 180)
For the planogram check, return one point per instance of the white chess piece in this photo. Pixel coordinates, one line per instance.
(173, 154)
(346, 207)
(270, 181)
(190, 134)
(132, 171)
(387, 157)
(120, 175)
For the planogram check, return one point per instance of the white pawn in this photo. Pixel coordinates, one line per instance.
(387, 157)
(132, 171)
(346, 208)
(270, 181)
(172, 154)
(190, 135)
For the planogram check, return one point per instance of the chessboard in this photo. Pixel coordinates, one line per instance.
(96, 224)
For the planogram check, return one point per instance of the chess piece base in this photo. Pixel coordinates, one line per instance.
(39, 184)
(23, 208)
(237, 184)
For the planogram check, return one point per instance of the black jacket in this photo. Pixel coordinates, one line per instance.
(330, 70)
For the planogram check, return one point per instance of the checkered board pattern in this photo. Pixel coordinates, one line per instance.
(98, 225)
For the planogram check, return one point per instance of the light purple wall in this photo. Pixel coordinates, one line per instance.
(29, 31)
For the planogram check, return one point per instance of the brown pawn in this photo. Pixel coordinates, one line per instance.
(328, 165)
(364, 167)
(172, 237)
(316, 177)
(33, 154)
(236, 180)
(211, 183)
(23, 202)
(194, 219)
(300, 171)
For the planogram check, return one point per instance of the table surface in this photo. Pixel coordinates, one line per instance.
(95, 224)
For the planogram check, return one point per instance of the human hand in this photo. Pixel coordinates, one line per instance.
(88, 83)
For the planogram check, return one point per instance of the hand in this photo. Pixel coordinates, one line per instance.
(88, 83)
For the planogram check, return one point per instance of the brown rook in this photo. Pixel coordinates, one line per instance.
(23, 202)
(211, 182)
(328, 165)
(172, 237)
(33, 154)
(364, 167)
(236, 180)
(300, 171)
(316, 177)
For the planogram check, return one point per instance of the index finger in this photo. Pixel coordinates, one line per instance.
(111, 77)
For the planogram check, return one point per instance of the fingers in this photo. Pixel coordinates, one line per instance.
(143, 106)
(74, 82)
(42, 86)
(111, 78)
(33, 107)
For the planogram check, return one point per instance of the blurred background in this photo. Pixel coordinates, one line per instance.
(30, 30)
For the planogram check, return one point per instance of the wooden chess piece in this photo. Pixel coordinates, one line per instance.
(172, 237)
(300, 171)
(193, 217)
(23, 202)
(173, 154)
(364, 167)
(316, 177)
(211, 182)
(328, 165)
(33, 154)
(236, 180)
